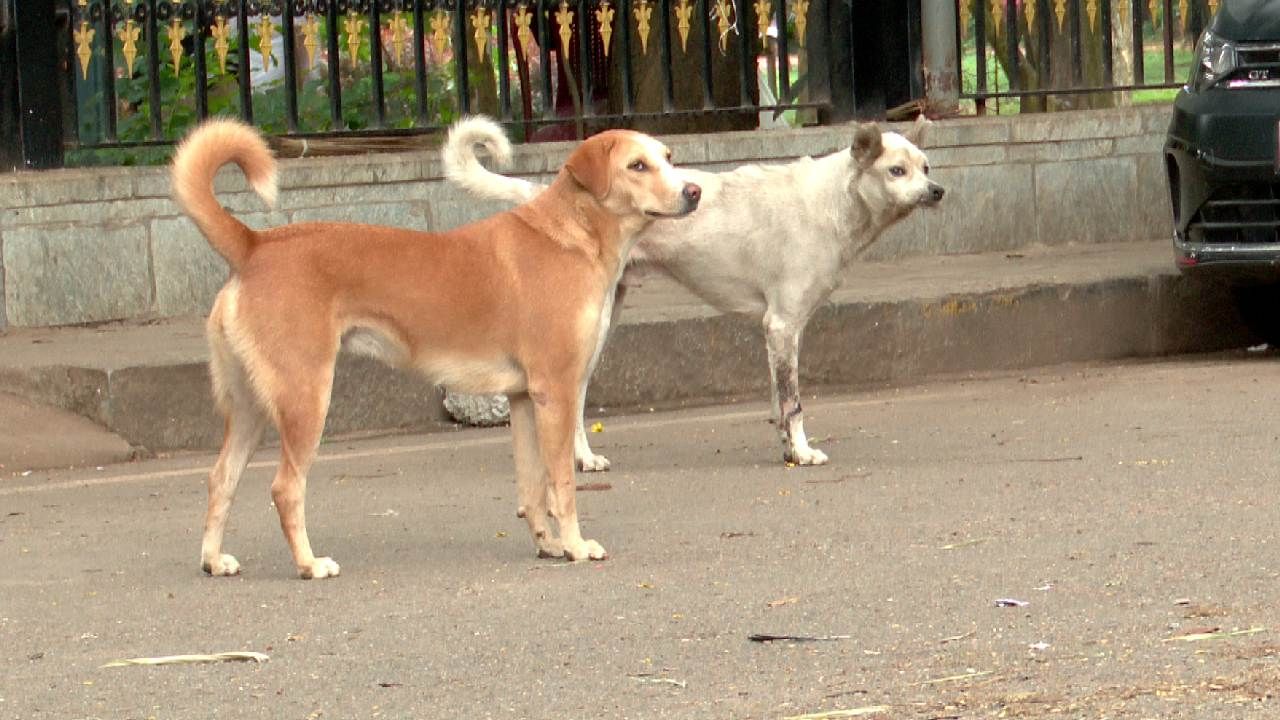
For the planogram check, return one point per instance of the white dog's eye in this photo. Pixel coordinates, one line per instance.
(897, 171)
(926, 169)
(638, 166)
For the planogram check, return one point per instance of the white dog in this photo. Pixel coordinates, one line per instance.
(767, 240)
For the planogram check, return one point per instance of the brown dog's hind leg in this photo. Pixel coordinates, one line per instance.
(554, 417)
(531, 476)
(244, 424)
(300, 414)
(244, 421)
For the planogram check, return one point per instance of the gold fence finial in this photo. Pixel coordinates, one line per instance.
(644, 13)
(564, 17)
(177, 32)
(265, 32)
(480, 24)
(723, 23)
(802, 20)
(604, 18)
(354, 25)
(524, 34)
(399, 28)
(221, 46)
(311, 37)
(764, 8)
(440, 32)
(683, 11)
(84, 45)
(129, 37)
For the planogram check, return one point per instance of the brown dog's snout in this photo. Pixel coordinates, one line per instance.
(692, 194)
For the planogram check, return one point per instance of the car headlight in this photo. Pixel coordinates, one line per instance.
(1215, 59)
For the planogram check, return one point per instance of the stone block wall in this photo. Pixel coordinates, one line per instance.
(93, 244)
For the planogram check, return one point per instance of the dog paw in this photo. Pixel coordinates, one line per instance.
(585, 550)
(805, 456)
(224, 566)
(550, 548)
(593, 463)
(321, 567)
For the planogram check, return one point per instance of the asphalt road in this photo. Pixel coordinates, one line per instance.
(1127, 506)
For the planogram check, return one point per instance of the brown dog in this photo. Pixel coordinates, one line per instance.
(511, 304)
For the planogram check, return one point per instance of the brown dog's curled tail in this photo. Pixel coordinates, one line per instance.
(210, 146)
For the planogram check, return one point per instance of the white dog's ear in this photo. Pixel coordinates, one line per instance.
(867, 144)
(915, 134)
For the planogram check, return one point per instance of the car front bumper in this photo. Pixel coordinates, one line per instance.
(1221, 160)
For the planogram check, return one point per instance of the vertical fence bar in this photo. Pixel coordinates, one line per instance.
(199, 66)
(504, 63)
(784, 56)
(460, 58)
(544, 49)
(628, 92)
(708, 97)
(334, 63)
(242, 53)
(39, 111)
(1108, 62)
(1168, 41)
(108, 71)
(1077, 61)
(153, 70)
(668, 85)
(375, 64)
(980, 49)
(747, 79)
(290, 66)
(1044, 28)
(584, 58)
(420, 61)
(1011, 43)
(1136, 9)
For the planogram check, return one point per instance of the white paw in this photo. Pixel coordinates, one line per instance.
(805, 456)
(321, 567)
(593, 463)
(585, 550)
(225, 565)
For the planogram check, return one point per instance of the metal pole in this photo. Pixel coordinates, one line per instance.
(941, 74)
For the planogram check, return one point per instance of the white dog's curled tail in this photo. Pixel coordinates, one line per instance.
(462, 167)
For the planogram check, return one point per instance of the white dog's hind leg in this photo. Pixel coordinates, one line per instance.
(586, 460)
(782, 338)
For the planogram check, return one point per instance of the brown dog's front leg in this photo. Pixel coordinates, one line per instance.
(531, 476)
(554, 419)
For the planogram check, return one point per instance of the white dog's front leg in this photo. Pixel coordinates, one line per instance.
(782, 339)
(583, 457)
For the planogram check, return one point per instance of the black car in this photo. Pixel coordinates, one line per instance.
(1221, 152)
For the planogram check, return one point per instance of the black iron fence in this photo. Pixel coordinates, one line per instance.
(1051, 54)
(133, 73)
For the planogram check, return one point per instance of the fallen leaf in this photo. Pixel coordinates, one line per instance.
(1214, 635)
(189, 659)
(956, 678)
(782, 601)
(851, 712)
(595, 486)
(597, 427)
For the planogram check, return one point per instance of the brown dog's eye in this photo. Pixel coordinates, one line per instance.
(897, 171)
(638, 166)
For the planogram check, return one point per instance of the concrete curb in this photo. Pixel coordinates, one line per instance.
(672, 350)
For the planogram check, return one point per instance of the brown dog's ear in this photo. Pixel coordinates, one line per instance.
(867, 145)
(589, 165)
(915, 135)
